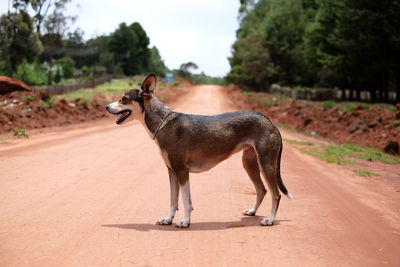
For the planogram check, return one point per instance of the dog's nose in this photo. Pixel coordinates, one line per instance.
(108, 108)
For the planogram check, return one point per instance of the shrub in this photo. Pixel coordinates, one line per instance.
(20, 132)
(328, 104)
(28, 98)
(58, 75)
(31, 74)
(49, 103)
(68, 65)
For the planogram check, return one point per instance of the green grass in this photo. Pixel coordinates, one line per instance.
(20, 132)
(369, 153)
(295, 142)
(365, 173)
(49, 103)
(327, 156)
(284, 126)
(396, 123)
(28, 98)
(4, 143)
(348, 107)
(265, 99)
(345, 153)
(328, 104)
(114, 88)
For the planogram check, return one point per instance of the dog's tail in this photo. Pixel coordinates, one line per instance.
(279, 181)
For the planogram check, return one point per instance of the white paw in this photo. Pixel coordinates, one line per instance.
(267, 222)
(165, 221)
(183, 224)
(249, 212)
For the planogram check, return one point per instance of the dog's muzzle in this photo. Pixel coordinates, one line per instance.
(124, 113)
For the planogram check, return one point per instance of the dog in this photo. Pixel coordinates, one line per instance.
(196, 143)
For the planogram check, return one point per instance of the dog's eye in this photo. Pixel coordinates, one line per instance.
(124, 100)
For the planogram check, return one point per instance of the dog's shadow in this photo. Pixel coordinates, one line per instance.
(249, 221)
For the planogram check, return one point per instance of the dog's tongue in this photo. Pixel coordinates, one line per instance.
(123, 117)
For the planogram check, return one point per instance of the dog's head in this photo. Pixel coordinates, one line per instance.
(131, 105)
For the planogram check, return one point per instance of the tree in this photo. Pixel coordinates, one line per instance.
(55, 27)
(156, 64)
(270, 44)
(40, 9)
(68, 65)
(185, 70)
(18, 40)
(130, 47)
(252, 67)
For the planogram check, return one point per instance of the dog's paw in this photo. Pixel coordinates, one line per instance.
(183, 224)
(249, 212)
(267, 222)
(165, 221)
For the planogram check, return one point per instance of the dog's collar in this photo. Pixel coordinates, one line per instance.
(161, 124)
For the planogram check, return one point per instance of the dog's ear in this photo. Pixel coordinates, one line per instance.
(149, 84)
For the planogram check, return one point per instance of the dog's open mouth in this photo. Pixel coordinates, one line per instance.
(124, 114)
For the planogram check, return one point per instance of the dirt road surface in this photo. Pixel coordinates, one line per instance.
(91, 197)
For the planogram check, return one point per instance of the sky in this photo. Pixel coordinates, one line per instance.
(201, 31)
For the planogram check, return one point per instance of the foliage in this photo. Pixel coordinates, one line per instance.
(130, 47)
(48, 103)
(40, 9)
(58, 75)
(337, 43)
(365, 173)
(345, 153)
(328, 104)
(20, 132)
(31, 74)
(28, 98)
(266, 99)
(202, 78)
(185, 70)
(18, 41)
(68, 65)
(114, 88)
(296, 142)
(156, 64)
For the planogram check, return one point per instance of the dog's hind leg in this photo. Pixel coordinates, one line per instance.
(174, 197)
(250, 164)
(267, 161)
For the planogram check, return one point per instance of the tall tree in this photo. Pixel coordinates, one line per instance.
(40, 9)
(18, 40)
(156, 64)
(130, 47)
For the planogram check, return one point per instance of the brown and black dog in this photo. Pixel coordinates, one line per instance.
(195, 143)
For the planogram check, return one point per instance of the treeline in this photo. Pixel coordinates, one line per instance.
(37, 47)
(347, 44)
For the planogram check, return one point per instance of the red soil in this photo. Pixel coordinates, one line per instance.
(372, 127)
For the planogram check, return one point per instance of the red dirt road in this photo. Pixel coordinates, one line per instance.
(91, 197)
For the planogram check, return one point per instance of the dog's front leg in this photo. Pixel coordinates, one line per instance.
(187, 201)
(174, 197)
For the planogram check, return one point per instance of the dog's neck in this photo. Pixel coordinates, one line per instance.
(154, 114)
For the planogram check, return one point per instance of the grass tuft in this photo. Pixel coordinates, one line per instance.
(345, 153)
(295, 142)
(365, 173)
(20, 132)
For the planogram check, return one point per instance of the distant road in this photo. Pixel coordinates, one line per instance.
(91, 197)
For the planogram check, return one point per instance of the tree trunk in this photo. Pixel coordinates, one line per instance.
(372, 93)
(397, 89)
(343, 94)
(358, 94)
(351, 94)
